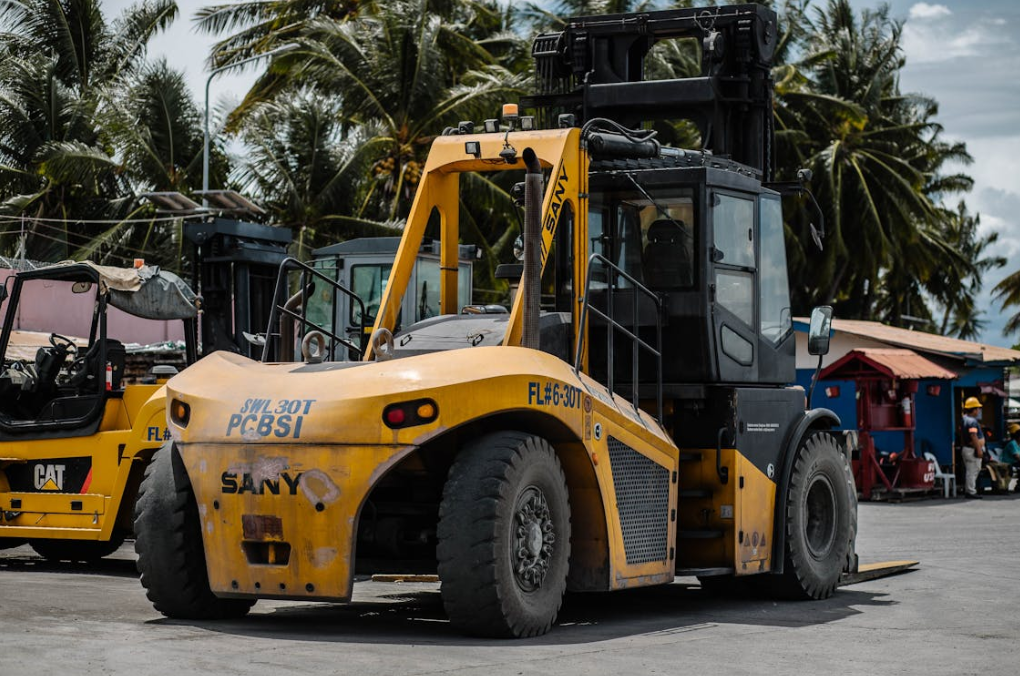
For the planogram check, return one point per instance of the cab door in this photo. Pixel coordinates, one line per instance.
(733, 284)
(367, 277)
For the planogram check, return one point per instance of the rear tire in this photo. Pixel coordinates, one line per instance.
(168, 541)
(77, 551)
(504, 537)
(821, 521)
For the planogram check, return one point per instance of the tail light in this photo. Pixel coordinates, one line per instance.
(410, 413)
(180, 413)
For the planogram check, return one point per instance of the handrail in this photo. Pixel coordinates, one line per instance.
(612, 326)
(286, 266)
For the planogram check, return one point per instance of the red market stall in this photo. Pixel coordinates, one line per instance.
(886, 381)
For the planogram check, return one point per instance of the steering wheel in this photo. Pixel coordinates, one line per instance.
(78, 372)
(62, 342)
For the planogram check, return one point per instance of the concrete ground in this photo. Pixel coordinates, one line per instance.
(957, 614)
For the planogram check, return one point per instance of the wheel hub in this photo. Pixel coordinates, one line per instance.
(533, 539)
(821, 518)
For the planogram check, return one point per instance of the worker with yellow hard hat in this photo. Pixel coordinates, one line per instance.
(973, 441)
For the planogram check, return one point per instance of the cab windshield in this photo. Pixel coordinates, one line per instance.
(652, 240)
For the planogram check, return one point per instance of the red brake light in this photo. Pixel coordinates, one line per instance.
(395, 417)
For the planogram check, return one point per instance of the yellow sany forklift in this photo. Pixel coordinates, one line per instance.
(636, 427)
(74, 434)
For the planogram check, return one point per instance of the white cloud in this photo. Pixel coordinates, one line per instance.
(929, 42)
(923, 10)
(996, 166)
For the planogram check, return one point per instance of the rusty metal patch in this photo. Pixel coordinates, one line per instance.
(262, 527)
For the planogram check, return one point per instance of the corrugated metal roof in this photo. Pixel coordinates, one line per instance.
(893, 362)
(926, 342)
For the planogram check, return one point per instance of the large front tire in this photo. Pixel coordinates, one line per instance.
(504, 537)
(821, 520)
(168, 541)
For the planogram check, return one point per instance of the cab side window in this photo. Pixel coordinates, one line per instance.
(733, 224)
(774, 286)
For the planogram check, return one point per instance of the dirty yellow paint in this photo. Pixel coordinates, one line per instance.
(755, 513)
(316, 508)
(743, 508)
(344, 449)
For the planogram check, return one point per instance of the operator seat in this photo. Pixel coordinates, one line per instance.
(91, 369)
(667, 258)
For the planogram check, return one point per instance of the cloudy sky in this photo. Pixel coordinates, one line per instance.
(964, 53)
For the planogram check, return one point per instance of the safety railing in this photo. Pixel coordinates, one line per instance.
(308, 277)
(613, 326)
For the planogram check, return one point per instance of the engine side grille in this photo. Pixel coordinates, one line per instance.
(642, 496)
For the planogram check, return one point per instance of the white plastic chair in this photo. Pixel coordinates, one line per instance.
(948, 479)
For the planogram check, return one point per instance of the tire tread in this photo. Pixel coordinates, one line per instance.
(473, 501)
(168, 542)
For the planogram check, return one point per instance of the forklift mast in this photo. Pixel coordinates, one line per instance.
(235, 266)
(595, 68)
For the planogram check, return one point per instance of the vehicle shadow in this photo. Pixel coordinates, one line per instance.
(23, 560)
(417, 617)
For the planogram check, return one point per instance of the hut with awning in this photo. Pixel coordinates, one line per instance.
(981, 371)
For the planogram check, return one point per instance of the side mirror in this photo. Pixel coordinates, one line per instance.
(818, 333)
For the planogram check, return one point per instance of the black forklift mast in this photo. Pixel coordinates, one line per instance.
(595, 69)
(235, 268)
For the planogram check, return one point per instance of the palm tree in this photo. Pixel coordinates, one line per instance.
(62, 64)
(876, 158)
(1007, 293)
(302, 168)
(403, 107)
(154, 128)
(956, 290)
(391, 76)
(549, 17)
(471, 33)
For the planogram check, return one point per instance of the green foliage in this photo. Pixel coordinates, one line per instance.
(337, 129)
(76, 134)
(304, 168)
(398, 75)
(892, 251)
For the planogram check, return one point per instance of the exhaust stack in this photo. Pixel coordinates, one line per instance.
(532, 278)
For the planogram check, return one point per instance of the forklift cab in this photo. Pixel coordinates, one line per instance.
(709, 243)
(344, 301)
(55, 385)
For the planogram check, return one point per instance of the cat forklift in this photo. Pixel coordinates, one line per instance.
(636, 426)
(75, 435)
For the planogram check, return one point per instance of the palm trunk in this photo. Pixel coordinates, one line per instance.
(836, 281)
